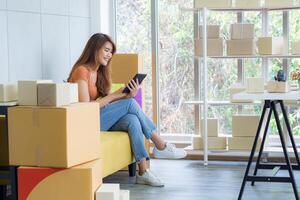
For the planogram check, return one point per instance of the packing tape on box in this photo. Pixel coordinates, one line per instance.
(35, 117)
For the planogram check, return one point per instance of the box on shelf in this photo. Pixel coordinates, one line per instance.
(296, 48)
(8, 92)
(108, 191)
(212, 127)
(247, 4)
(244, 125)
(238, 88)
(255, 85)
(213, 143)
(213, 31)
(279, 3)
(214, 47)
(241, 31)
(54, 94)
(76, 183)
(53, 136)
(270, 45)
(125, 66)
(124, 194)
(213, 3)
(278, 86)
(241, 47)
(4, 159)
(242, 143)
(28, 92)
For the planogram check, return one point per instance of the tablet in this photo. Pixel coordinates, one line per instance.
(139, 77)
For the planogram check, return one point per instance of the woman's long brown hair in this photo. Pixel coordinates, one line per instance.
(89, 57)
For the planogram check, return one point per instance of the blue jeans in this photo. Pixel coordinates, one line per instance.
(126, 115)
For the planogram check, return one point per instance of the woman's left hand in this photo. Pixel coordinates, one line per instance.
(133, 87)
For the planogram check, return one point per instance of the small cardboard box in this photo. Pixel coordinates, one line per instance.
(213, 143)
(242, 31)
(108, 191)
(213, 3)
(213, 31)
(28, 92)
(242, 143)
(247, 4)
(54, 94)
(214, 47)
(125, 66)
(237, 88)
(255, 85)
(241, 47)
(278, 86)
(212, 127)
(53, 136)
(8, 92)
(296, 48)
(76, 183)
(279, 3)
(270, 45)
(73, 90)
(244, 125)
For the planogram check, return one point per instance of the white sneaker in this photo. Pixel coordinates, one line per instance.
(149, 178)
(169, 152)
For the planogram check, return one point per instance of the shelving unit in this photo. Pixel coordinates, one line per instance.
(202, 104)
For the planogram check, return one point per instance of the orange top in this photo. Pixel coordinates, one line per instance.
(82, 73)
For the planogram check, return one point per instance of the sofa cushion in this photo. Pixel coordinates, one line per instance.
(115, 151)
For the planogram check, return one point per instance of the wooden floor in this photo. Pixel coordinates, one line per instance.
(190, 180)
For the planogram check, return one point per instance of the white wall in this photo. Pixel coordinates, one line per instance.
(41, 39)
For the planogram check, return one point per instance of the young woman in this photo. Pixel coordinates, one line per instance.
(119, 111)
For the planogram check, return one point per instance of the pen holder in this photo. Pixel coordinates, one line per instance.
(278, 87)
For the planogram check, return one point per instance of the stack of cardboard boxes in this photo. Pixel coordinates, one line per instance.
(244, 129)
(214, 140)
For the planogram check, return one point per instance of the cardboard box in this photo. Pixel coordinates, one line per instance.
(255, 85)
(244, 125)
(279, 3)
(270, 46)
(53, 94)
(8, 92)
(241, 31)
(76, 183)
(54, 136)
(241, 47)
(213, 3)
(125, 66)
(242, 143)
(296, 48)
(73, 90)
(235, 89)
(108, 191)
(247, 4)
(214, 143)
(124, 194)
(214, 47)
(278, 86)
(213, 31)
(27, 92)
(212, 127)
(4, 159)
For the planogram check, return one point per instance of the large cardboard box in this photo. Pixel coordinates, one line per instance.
(255, 85)
(247, 3)
(54, 136)
(76, 183)
(244, 125)
(27, 92)
(214, 47)
(241, 47)
(270, 45)
(296, 48)
(242, 143)
(4, 159)
(213, 31)
(212, 127)
(235, 89)
(279, 3)
(213, 143)
(8, 92)
(57, 94)
(125, 66)
(108, 191)
(242, 31)
(213, 3)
